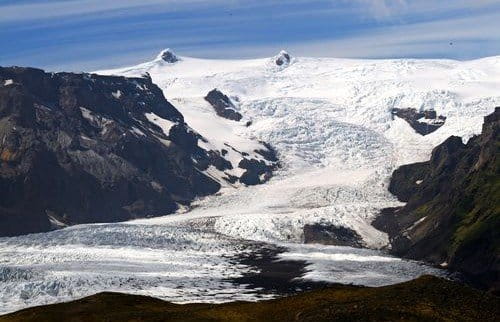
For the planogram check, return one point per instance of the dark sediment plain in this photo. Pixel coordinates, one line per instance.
(427, 298)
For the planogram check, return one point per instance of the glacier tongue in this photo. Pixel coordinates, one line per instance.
(331, 123)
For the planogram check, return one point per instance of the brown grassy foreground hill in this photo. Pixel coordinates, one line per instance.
(424, 299)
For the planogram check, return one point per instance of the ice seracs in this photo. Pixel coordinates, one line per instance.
(167, 55)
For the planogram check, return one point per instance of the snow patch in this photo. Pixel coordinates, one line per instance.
(137, 131)
(164, 124)
(117, 94)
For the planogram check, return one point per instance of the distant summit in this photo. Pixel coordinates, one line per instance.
(283, 58)
(168, 56)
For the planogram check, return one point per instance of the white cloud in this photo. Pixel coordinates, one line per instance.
(417, 40)
(53, 9)
(390, 9)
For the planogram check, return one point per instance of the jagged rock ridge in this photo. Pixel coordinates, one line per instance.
(223, 105)
(452, 213)
(83, 148)
(424, 122)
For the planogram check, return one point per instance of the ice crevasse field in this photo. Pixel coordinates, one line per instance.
(330, 121)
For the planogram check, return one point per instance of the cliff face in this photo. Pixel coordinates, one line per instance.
(452, 215)
(82, 148)
(223, 105)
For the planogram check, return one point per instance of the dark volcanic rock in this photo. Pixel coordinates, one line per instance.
(223, 105)
(258, 170)
(453, 212)
(269, 153)
(427, 298)
(424, 122)
(168, 56)
(79, 148)
(283, 58)
(331, 235)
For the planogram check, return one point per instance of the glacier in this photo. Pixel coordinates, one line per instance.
(330, 121)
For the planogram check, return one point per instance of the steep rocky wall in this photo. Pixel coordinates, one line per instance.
(452, 215)
(83, 148)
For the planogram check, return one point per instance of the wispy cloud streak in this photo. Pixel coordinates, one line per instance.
(90, 34)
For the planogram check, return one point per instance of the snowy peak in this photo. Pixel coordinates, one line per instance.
(167, 55)
(283, 58)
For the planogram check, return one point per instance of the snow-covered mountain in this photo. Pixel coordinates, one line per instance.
(333, 124)
(81, 148)
(338, 136)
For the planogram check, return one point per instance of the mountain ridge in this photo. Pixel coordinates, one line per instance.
(452, 213)
(127, 147)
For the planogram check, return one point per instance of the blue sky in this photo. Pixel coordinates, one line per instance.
(91, 34)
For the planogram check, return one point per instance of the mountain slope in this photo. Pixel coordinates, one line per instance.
(82, 148)
(340, 126)
(452, 215)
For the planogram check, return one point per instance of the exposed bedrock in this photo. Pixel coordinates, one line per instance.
(283, 59)
(424, 122)
(331, 235)
(452, 215)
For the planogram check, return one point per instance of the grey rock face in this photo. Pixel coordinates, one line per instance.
(452, 213)
(331, 235)
(79, 148)
(283, 58)
(424, 122)
(222, 105)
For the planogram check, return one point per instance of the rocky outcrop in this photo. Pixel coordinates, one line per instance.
(424, 122)
(328, 234)
(452, 215)
(167, 56)
(283, 59)
(83, 148)
(257, 171)
(427, 298)
(223, 105)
